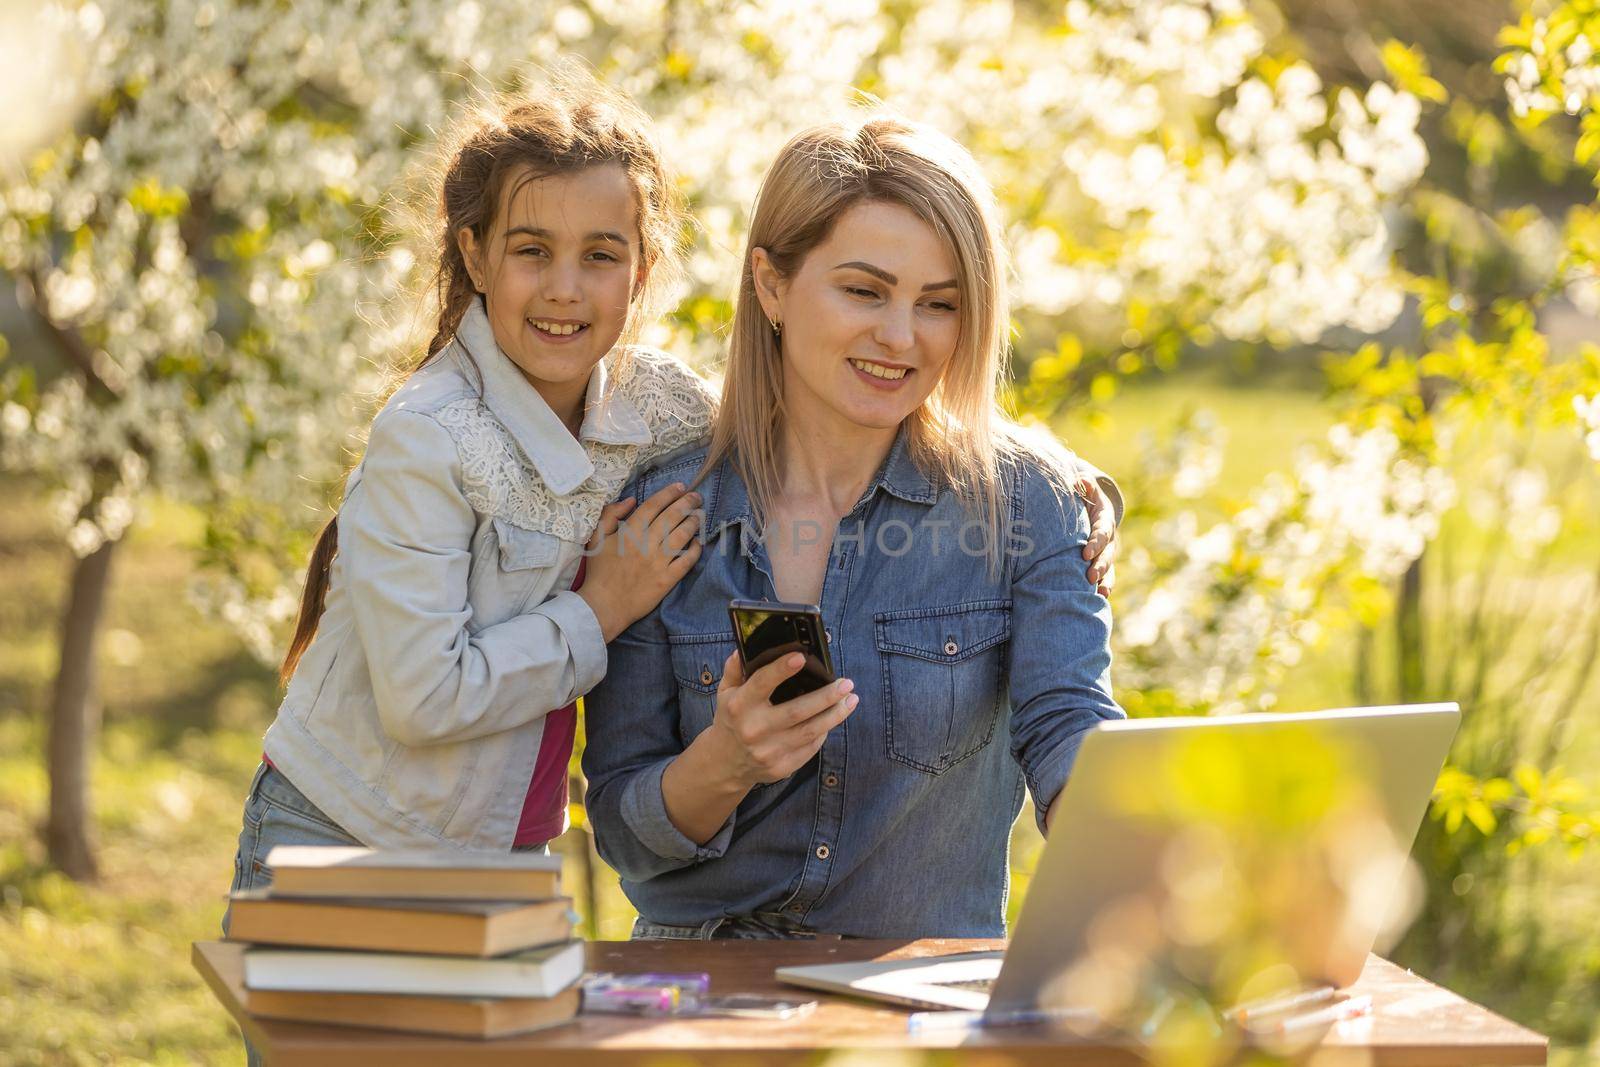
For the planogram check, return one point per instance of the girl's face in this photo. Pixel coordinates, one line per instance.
(559, 267)
(870, 319)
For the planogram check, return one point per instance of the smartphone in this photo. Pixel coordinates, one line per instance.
(750, 1006)
(768, 630)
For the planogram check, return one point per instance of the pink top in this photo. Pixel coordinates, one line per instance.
(544, 810)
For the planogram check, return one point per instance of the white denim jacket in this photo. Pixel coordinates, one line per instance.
(450, 629)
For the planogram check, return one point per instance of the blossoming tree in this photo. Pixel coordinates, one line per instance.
(199, 255)
(209, 259)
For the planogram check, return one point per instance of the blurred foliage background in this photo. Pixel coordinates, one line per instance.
(1318, 282)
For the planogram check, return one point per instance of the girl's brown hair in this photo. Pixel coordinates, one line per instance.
(569, 122)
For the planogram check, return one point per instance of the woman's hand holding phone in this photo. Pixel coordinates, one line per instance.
(766, 742)
(751, 741)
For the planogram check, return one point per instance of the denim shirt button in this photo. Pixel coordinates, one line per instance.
(831, 781)
(822, 852)
(950, 647)
(828, 635)
(705, 676)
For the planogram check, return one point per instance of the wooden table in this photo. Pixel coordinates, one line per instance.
(1414, 1022)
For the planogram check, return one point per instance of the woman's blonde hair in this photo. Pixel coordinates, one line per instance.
(959, 434)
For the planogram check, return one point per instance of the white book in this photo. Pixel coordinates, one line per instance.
(541, 972)
(355, 856)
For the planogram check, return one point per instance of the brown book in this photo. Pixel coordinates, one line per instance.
(456, 928)
(457, 1016)
(323, 871)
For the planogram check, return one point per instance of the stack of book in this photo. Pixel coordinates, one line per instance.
(442, 943)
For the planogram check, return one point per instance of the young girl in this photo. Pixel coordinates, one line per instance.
(447, 610)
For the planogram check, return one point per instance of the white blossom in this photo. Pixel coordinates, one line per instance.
(219, 238)
(1588, 409)
(1215, 614)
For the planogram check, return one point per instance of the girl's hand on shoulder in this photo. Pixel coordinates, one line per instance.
(638, 553)
(1101, 551)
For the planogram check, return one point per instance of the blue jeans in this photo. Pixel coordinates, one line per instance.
(742, 928)
(275, 813)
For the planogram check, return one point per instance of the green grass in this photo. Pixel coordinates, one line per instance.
(100, 974)
(1264, 425)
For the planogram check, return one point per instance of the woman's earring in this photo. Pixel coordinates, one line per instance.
(777, 329)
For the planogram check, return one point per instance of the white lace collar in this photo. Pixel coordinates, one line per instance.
(562, 462)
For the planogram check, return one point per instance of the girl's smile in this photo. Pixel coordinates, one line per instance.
(557, 331)
(557, 275)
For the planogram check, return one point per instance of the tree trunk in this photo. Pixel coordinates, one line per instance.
(1410, 667)
(591, 887)
(1408, 634)
(1364, 684)
(75, 720)
(588, 890)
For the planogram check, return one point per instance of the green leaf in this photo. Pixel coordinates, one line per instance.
(1567, 792)
(1588, 146)
(1497, 791)
(1409, 69)
(1519, 36)
(678, 65)
(149, 198)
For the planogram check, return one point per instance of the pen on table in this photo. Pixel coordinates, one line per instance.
(1153, 1022)
(1333, 1013)
(921, 1021)
(1279, 1005)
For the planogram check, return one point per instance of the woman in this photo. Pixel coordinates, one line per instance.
(859, 461)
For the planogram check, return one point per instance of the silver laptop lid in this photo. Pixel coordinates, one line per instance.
(1227, 857)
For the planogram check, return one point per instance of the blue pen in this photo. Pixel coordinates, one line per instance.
(926, 1021)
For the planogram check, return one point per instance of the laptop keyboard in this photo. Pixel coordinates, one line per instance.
(977, 985)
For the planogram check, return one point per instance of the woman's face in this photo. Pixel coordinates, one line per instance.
(870, 319)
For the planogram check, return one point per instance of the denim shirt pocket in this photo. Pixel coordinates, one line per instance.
(942, 680)
(697, 661)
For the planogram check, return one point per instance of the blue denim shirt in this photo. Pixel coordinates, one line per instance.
(972, 685)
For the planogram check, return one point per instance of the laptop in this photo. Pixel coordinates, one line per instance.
(1236, 856)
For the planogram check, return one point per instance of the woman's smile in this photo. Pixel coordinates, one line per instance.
(885, 376)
